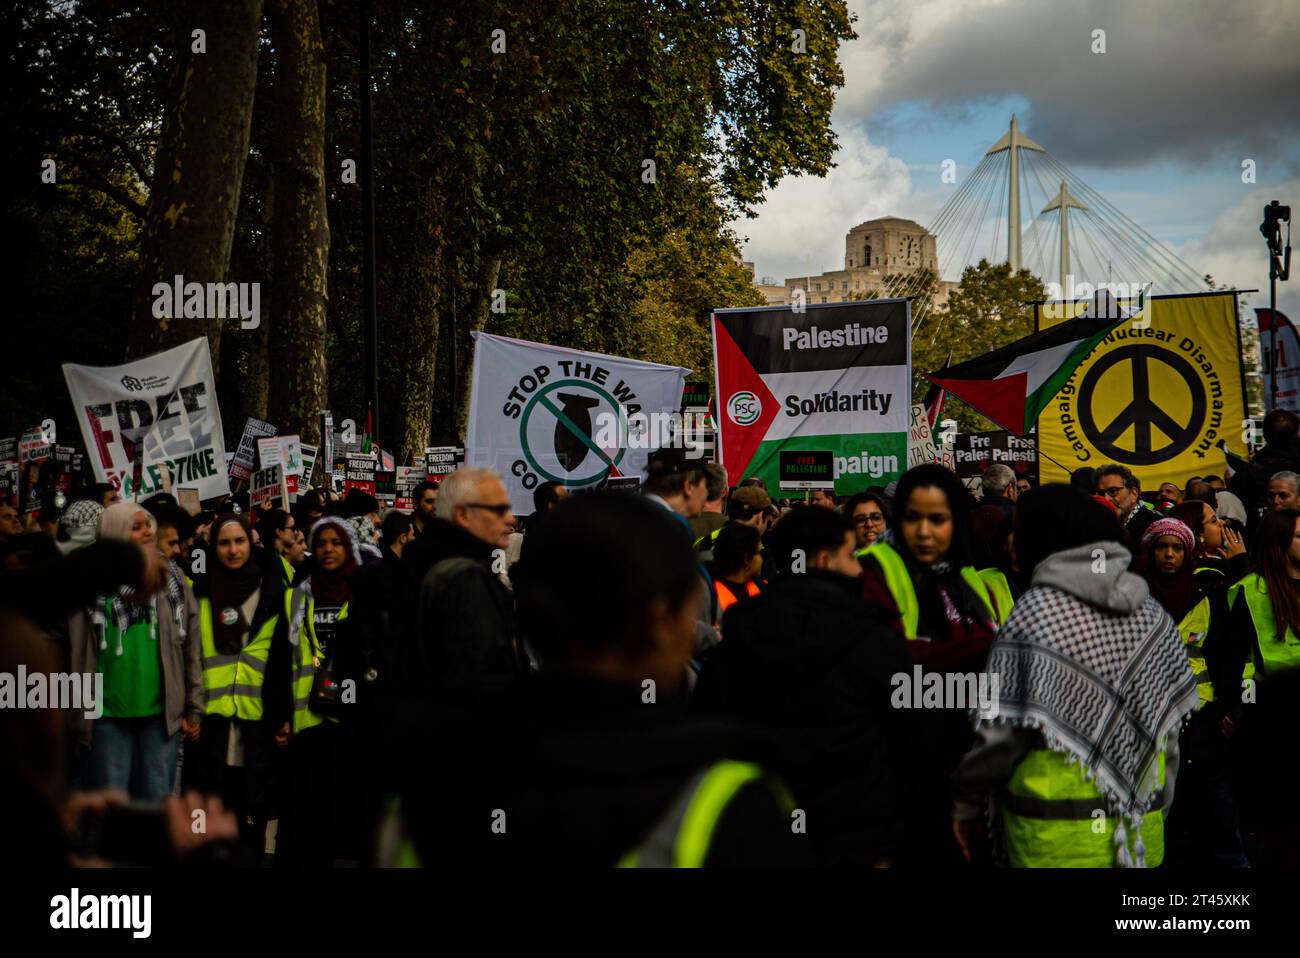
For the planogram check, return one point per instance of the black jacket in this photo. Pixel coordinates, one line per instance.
(464, 619)
(380, 623)
(1250, 485)
(578, 771)
(807, 662)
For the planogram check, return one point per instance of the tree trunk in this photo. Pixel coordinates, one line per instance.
(478, 317)
(198, 169)
(419, 279)
(300, 237)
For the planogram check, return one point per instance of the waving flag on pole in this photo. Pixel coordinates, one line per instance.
(1013, 384)
(934, 397)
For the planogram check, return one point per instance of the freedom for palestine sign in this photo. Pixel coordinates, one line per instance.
(831, 377)
(543, 413)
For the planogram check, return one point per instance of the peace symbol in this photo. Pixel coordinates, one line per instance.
(1143, 411)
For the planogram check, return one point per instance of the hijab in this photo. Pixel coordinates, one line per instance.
(334, 587)
(1177, 592)
(231, 588)
(329, 587)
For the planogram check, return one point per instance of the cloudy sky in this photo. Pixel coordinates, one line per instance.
(1159, 124)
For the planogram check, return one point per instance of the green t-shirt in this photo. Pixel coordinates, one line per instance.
(133, 686)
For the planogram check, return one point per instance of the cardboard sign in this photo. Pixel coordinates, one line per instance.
(327, 443)
(386, 487)
(807, 469)
(283, 451)
(443, 460)
(33, 446)
(245, 461)
(360, 474)
(9, 483)
(695, 397)
(622, 484)
(308, 464)
(188, 499)
(268, 484)
(408, 477)
(976, 451)
(920, 440)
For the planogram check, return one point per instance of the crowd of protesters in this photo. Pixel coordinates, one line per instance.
(694, 674)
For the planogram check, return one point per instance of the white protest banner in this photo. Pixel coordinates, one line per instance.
(245, 458)
(168, 403)
(267, 484)
(545, 413)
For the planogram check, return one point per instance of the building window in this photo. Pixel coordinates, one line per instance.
(868, 257)
(817, 286)
(823, 299)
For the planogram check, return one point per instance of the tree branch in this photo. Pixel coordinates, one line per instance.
(95, 180)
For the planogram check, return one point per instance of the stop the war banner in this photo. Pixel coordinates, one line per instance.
(166, 402)
(1157, 395)
(835, 376)
(549, 414)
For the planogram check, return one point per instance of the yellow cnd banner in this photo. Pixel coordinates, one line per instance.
(1157, 395)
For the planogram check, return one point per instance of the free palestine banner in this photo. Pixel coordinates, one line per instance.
(831, 377)
(1156, 395)
(164, 406)
(548, 414)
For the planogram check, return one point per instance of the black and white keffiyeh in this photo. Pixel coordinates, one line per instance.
(1104, 690)
(125, 611)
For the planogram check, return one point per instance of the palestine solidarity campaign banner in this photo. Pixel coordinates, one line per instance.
(831, 377)
(548, 414)
(1157, 394)
(165, 406)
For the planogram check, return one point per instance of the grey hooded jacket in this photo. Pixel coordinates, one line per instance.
(1097, 574)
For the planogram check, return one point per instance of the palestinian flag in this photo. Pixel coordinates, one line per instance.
(934, 396)
(1012, 385)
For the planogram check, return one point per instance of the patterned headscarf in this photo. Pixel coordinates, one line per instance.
(79, 524)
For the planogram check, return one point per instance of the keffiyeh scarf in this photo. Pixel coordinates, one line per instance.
(1103, 690)
(124, 611)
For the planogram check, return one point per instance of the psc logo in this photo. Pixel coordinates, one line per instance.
(744, 408)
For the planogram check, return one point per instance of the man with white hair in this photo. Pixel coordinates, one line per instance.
(464, 616)
(999, 488)
(1282, 490)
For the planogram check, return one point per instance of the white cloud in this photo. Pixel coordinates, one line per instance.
(1233, 251)
(802, 225)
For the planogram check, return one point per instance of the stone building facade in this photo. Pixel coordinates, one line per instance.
(872, 250)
